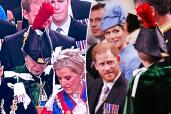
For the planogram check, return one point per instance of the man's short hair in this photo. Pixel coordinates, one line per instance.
(161, 6)
(102, 48)
(26, 4)
(97, 6)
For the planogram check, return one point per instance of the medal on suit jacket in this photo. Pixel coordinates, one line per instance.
(110, 108)
(66, 101)
(81, 45)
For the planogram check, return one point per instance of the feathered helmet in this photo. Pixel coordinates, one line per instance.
(150, 39)
(46, 10)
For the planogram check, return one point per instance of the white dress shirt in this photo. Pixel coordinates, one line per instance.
(104, 96)
(70, 11)
(1, 41)
(64, 27)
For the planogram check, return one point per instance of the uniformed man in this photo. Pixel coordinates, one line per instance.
(37, 78)
(38, 37)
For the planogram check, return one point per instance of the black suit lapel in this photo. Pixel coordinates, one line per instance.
(71, 28)
(56, 40)
(98, 91)
(75, 6)
(112, 96)
(94, 95)
(114, 91)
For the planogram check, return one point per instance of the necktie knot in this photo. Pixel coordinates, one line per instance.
(58, 30)
(106, 90)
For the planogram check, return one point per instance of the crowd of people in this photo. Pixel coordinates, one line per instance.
(40, 63)
(46, 66)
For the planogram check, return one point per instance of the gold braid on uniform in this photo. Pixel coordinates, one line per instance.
(25, 36)
(14, 105)
(2, 107)
(15, 100)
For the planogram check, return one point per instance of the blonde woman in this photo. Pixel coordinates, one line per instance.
(72, 99)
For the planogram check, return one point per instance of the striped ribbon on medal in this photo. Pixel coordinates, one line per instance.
(81, 45)
(111, 108)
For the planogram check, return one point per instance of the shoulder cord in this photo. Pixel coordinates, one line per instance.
(15, 100)
(14, 105)
(2, 107)
(26, 34)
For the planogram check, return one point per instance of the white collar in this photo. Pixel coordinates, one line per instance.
(39, 32)
(64, 27)
(25, 76)
(110, 84)
(70, 11)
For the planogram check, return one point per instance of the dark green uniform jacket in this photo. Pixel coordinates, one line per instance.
(153, 92)
(31, 87)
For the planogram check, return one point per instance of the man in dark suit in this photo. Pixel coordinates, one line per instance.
(96, 16)
(80, 10)
(36, 40)
(68, 25)
(108, 93)
(36, 76)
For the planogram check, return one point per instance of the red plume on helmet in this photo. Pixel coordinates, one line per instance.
(145, 12)
(45, 11)
(150, 39)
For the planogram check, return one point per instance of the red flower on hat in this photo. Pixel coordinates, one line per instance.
(145, 12)
(45, 11)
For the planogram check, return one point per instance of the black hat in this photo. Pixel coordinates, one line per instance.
(39, 48)
(151, 41)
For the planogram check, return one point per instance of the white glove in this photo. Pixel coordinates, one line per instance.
(20, 92)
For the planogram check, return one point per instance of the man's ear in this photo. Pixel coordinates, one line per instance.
(94, 64)
(25, 14)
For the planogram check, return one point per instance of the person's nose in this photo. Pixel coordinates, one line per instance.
(56, 6)
(106, 67)
(93, 24)
(37, 68)
(112, 36)
(63, 83)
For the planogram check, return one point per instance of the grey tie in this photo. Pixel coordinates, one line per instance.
(105, 92)
(58, 30)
